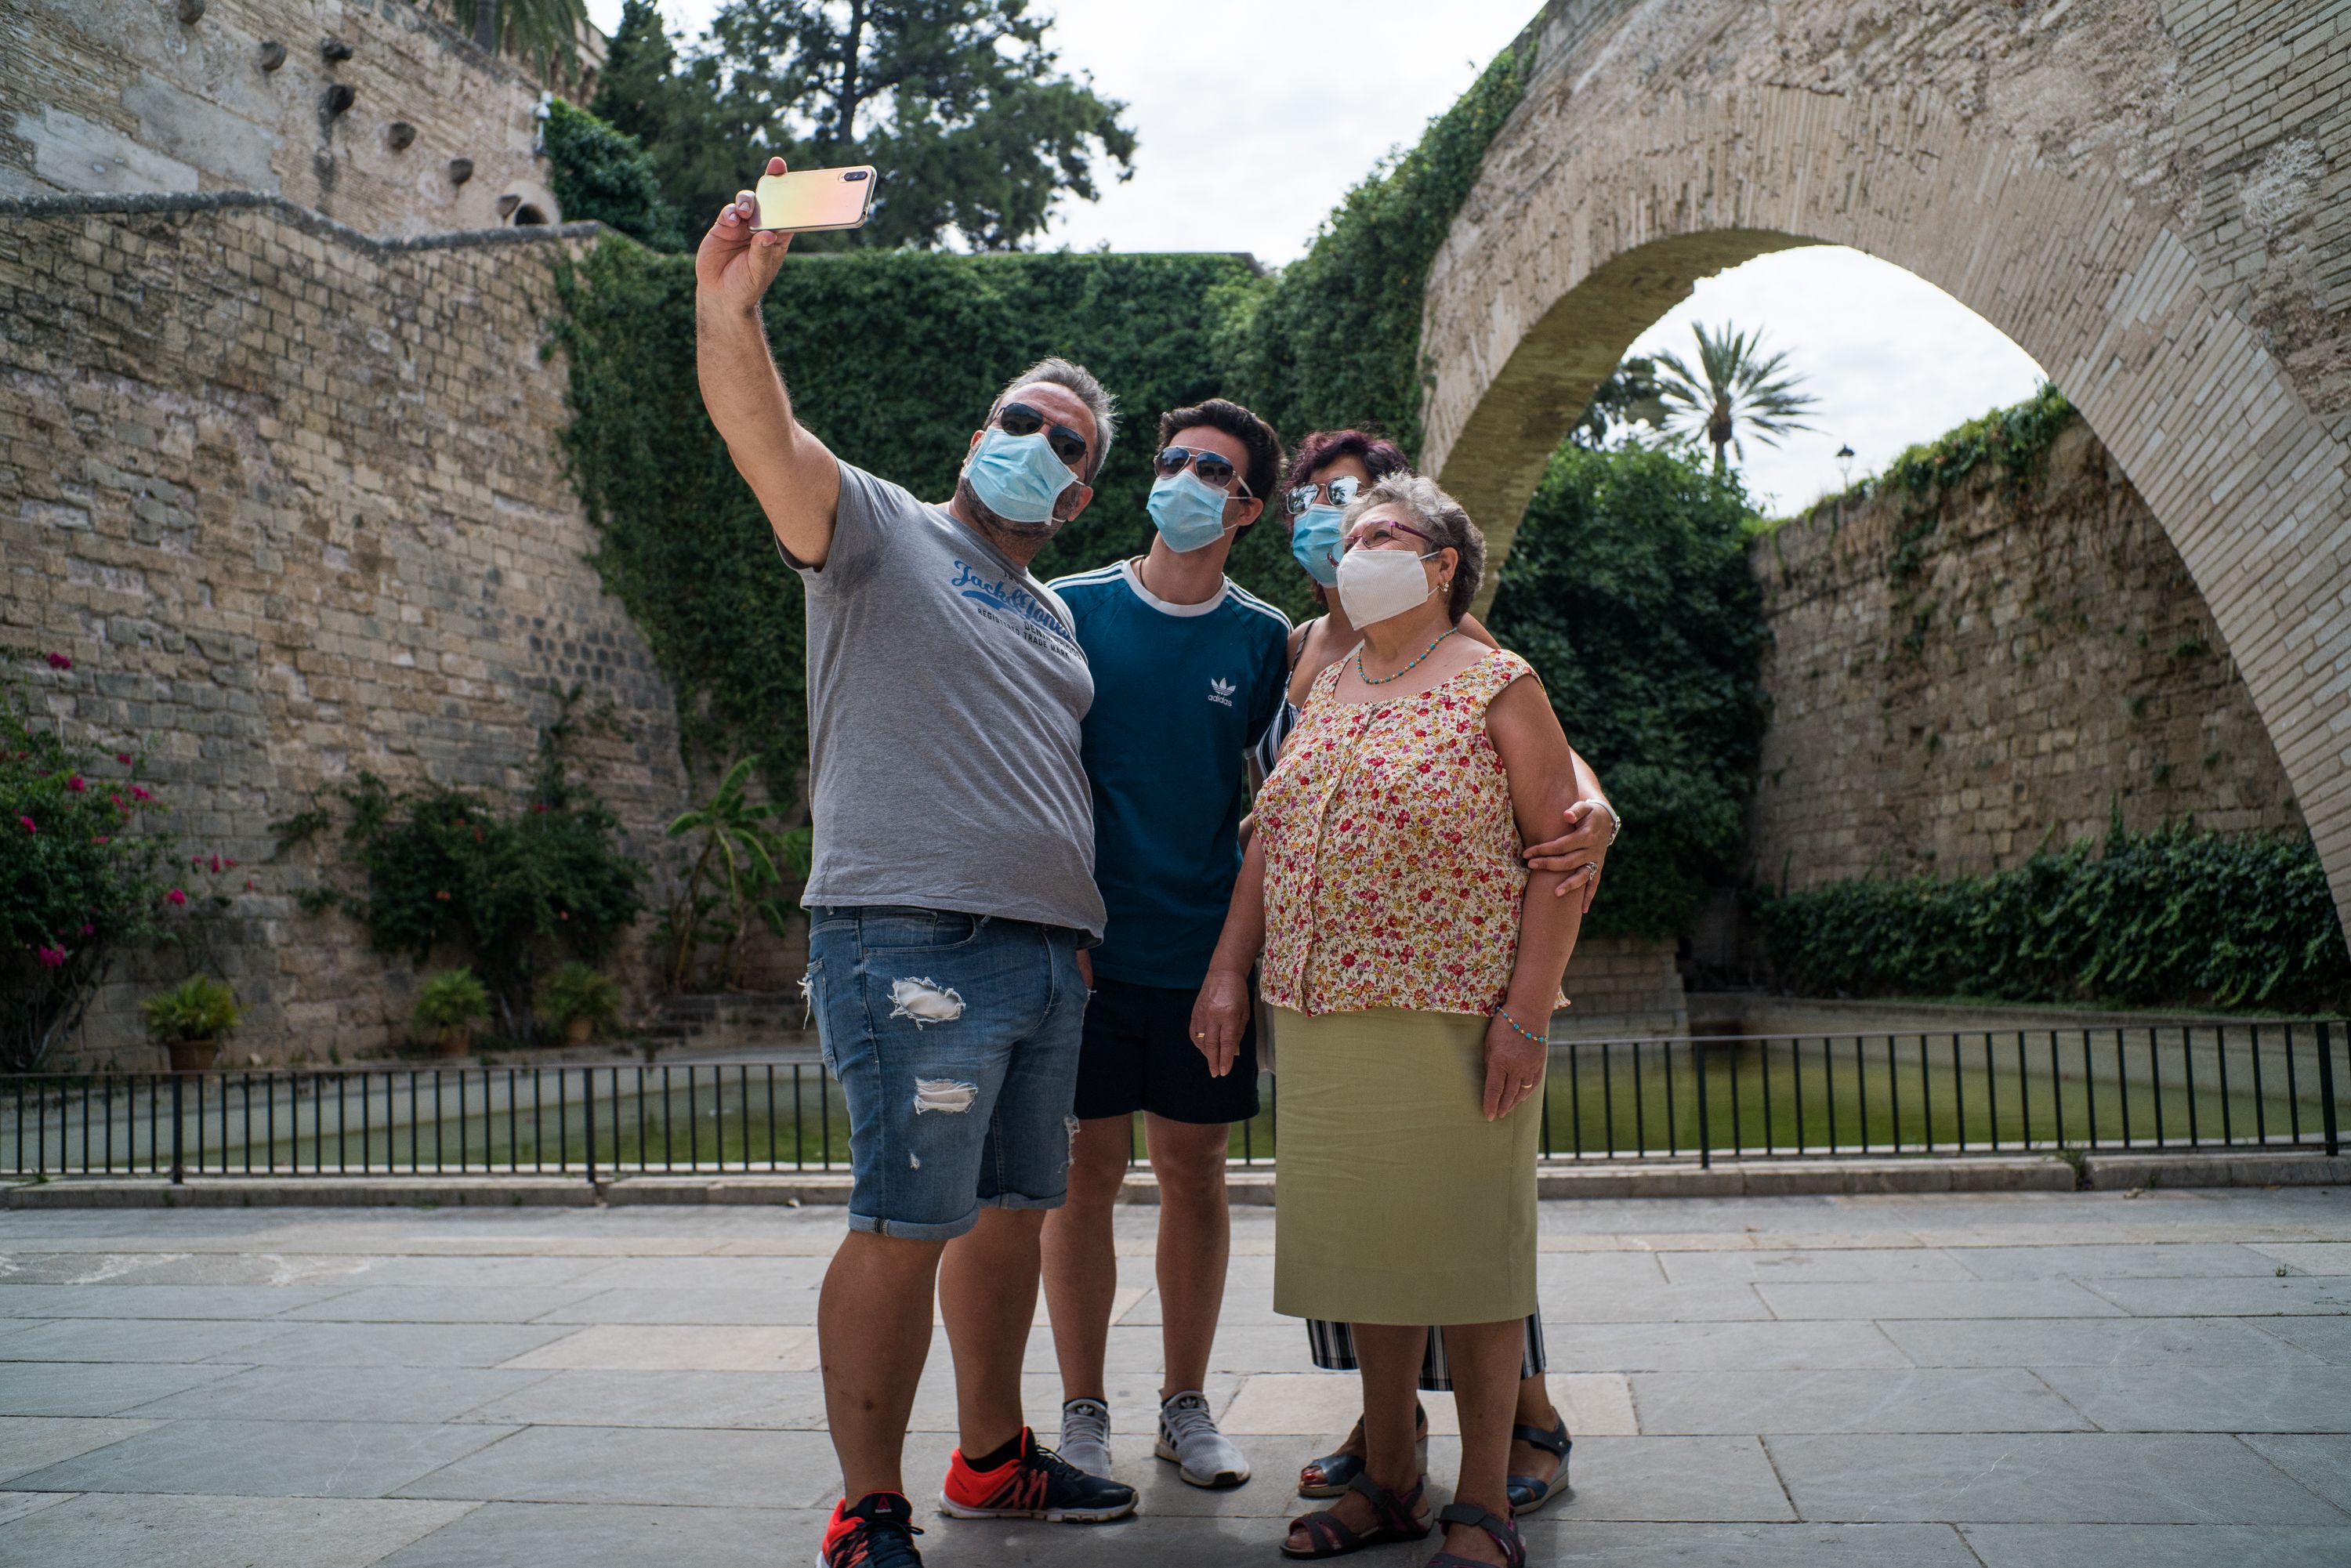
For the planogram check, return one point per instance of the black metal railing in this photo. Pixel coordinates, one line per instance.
(2203, 1085)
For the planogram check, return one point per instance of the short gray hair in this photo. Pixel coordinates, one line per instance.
(1078, 380)
(1438, 516)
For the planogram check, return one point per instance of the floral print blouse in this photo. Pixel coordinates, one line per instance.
(1392, 869)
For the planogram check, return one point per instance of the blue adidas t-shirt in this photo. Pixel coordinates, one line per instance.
(1181, 692)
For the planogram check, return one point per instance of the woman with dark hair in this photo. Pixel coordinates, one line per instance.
(1414, 963)
(1328, 471)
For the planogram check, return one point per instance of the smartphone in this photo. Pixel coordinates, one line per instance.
(807, 200)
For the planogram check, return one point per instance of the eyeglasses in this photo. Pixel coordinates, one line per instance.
(1379, 533)
(1170, 461)
(1020, 419)
(1339, 492)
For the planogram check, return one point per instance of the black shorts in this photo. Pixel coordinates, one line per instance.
(1138, 1055)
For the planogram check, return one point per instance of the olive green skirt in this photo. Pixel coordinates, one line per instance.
(1397, 1202)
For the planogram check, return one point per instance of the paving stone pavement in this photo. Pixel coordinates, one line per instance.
(2028, 1380)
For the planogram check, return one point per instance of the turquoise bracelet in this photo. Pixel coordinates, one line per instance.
(1504, 1014)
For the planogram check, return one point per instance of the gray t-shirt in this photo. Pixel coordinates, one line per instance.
(945, 689)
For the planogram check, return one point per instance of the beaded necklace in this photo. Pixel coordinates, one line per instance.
(1383, 680)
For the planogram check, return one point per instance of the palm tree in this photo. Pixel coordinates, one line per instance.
(743, 855)
(546, 32)
(1740, 391)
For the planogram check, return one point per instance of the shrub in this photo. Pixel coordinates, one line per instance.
(576, 990)
(451, 999)
(85, 873)
(199, 1007)
(2173, 918)
(1628, 590)
(743, 864)
(599, 174)
(507, 885)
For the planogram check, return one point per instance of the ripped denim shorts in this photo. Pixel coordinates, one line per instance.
(955, 1041)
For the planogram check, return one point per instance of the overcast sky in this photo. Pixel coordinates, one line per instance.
(1255, 116)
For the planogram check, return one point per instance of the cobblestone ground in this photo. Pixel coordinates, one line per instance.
(2002, 1380)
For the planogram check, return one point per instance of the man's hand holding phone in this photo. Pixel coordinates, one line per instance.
(736, 261)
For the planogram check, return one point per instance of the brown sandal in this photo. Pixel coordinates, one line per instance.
(1504, 1532)
(1396, 1516)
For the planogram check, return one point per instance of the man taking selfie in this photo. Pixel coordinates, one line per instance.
(952, 889)
(1189, 670)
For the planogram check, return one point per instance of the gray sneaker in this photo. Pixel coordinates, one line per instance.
(1188, 1439)
(1085, 1435)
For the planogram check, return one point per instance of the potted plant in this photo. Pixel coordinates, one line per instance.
(580, 1001)
(448, 1006)
(190, 1020)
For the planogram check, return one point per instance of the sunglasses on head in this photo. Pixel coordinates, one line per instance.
(1020, 419)
(1339, 492)
(1212, 469)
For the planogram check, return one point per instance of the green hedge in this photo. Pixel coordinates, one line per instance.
(891, 358)
(2176, 918)
(599, 174)
(1628, 590)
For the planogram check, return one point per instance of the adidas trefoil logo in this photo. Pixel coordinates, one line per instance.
(1220, 691)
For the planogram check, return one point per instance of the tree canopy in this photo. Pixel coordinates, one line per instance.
(1628, 589)
(974, 128)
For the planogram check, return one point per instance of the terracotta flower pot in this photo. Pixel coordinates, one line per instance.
(192, 1055)
(456, 1039)
(579, 1031)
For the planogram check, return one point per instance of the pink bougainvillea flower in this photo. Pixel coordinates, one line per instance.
(231, 865)
(75, 784)
(100, 839)
(87, 928)
(176, 896)
(539, 805)
(26, 823)
(50, 957)
(138, 793)
(216, 865)
(117, 802)
(249, 884)
(123, 757)
(59, 662)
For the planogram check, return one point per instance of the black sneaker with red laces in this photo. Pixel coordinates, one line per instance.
(1034, 1483)
(877, 1533)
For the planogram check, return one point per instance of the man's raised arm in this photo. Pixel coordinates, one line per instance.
(795, 479)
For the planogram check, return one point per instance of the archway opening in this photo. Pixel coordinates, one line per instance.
(1980, 645)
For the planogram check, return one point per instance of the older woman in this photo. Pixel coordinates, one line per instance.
(1328, 470)
(1413, 963)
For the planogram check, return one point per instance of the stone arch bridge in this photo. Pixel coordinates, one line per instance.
(2152, 197)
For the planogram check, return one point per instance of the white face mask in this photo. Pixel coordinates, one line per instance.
(1380, 584)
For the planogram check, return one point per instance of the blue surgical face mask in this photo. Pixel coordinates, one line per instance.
(1314, 540)
(1018, 477)
(1188, 512)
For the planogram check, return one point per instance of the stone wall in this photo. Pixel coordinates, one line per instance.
(291, 501)
(2046, 661)
(122, 97)
(1621, 987)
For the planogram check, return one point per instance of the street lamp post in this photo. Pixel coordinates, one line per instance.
(1844, 472)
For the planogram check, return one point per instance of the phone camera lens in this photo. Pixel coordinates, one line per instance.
(854, 175)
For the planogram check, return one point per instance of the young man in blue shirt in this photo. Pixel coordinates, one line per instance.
(1189, 670)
